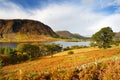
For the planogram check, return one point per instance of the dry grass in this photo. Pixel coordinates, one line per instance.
(107, 70)
(76, 51)
(60, 61)
(31, 38)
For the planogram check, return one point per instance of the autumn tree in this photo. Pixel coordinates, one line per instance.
(103, 38)
(31, 50)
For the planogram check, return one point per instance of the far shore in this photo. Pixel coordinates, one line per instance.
(40, 40)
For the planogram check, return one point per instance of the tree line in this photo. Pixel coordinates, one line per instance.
(24, 52)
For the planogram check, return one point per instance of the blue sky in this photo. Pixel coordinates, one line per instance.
(78, 16)
(40, 3)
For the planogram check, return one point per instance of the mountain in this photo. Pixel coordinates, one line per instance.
(78, 36)
(64, 34)
(14, 27)
(117, 35)
(67, 34)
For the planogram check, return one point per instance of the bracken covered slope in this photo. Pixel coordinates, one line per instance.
(12, 27)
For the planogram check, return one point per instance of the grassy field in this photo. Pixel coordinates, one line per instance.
(59, 67)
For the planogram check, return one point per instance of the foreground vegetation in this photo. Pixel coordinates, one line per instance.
(84, 64)
(107, 70)
(25, 52)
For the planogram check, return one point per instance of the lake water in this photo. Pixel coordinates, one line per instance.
(64, 44)
(68, 44)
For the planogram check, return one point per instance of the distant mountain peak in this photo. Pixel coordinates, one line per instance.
(68, 34)
(117, 34)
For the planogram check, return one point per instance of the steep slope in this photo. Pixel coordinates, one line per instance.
(67, 34)
(10, 28)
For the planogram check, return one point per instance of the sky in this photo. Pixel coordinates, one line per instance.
(77, 16)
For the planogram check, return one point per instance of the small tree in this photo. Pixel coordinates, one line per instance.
(31, 50)
(104, 37)
(51, 48)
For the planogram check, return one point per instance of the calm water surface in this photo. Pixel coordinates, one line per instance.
(68, 44)
(64, 44)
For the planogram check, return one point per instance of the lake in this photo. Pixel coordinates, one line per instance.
(68, 44)
(63, 44)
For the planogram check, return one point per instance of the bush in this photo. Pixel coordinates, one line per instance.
(31, 50)
(116, 43)
(23, 57)
(8, 50)
(2, 50)
(4, 59)
(92, 44)
(47, 49)
(1, 64)
(13, 59)
(75, 47)
(67, 48)
(70, 52)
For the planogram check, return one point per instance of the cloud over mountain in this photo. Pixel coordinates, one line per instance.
(80, 16)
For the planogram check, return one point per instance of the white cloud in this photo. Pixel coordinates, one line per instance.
(9, 10)
(75, 18)
(111, 21)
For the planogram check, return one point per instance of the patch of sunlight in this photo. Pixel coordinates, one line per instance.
(76, 58)
(76, 51)
(117, 56)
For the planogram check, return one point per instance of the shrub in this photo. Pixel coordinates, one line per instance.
(1, 64)
(67, 48)
(31, 50)
(116, 43)
(8, 50)
(2, 50)
(23, 57)
(92, 44)
(50, 48)
(70, 52)
(4, 60)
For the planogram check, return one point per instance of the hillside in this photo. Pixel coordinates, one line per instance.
(67, 34)
(65, 67)
(23, 28)
(117, 35)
